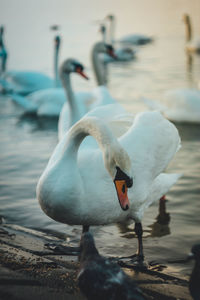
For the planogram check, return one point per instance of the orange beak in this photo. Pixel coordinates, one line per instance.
(79, 71)
(122, 190)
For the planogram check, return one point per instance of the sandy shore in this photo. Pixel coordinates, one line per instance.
(30, 270)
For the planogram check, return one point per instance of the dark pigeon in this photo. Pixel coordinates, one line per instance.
(101, 279)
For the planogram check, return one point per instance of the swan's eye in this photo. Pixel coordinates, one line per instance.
(120, 175)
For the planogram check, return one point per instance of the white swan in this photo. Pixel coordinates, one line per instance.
(123, 53)
(26, 82)
(49, 102)
(131, 39)
(179, 105)
(87, 185)
(193, 45)
(100, 95)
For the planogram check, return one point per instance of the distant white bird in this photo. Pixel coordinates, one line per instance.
(123, 54)
(100, 279)
(179, 105)
(193, 44)
(132, 39)
(114, 180)
(26, 82)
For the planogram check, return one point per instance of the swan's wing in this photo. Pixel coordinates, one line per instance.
(23, 102)
(115, 116)
(25, 82)
(183, 105)
(151, 143)
(160, 186)
(136, 39)
(55, 95)
(107, 112)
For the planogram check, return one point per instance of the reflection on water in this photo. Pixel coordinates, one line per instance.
(37, 123)
(161, 226)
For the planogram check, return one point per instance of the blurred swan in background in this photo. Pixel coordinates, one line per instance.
(131, 39)
(49, 102)
(122, 53)
(3, 52)
(193, 44)
(53, 102)
(88, 185)
(26, 82)
(98, 96)
(179, 105)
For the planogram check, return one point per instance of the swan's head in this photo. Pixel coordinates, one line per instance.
(101, 47)
(57, 41)
(118, 165)
(72, 66)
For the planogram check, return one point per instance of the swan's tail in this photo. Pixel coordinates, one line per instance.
(162, 184)
(153, 105)
(159, 188)
(23, 102)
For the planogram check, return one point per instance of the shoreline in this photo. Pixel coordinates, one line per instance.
(31, 270)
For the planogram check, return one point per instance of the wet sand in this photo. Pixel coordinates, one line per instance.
(29, 269)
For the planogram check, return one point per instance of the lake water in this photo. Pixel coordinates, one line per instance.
(27, 143)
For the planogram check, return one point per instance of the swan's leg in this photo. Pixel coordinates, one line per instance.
(139, 232)
(135, 260)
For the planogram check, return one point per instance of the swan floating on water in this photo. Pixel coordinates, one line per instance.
(179, 105)
(123, 54)
(193, 44)
(131, 39)
(99, 278)
(114, 180)
(26, 82)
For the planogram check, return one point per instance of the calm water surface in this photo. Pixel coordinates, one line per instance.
(27, 143)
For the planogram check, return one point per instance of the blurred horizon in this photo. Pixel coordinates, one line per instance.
(27, 26)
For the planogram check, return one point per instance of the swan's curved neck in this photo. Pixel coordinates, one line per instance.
(188, 30)
(56, 57)
(89, 126)
(74, 114)
(98, 67)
